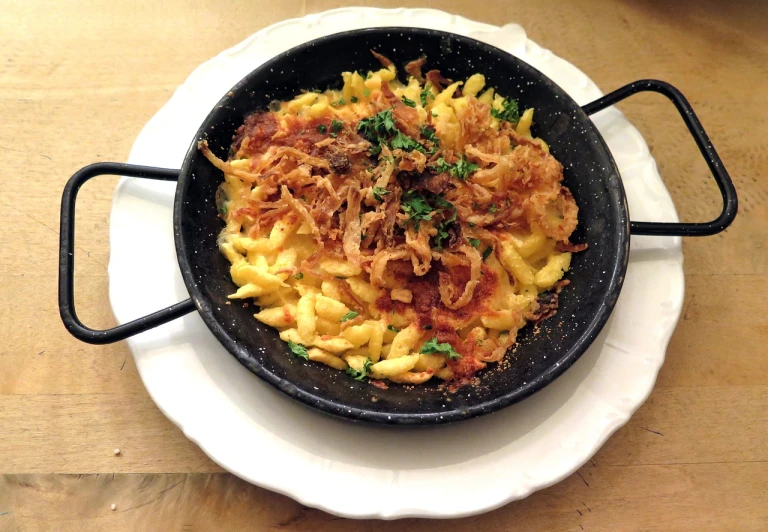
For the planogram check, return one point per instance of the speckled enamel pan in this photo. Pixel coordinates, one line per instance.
(596, 275)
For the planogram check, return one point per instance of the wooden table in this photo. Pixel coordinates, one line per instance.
(78, 80)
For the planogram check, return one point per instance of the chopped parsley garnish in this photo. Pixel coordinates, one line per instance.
(446, 349)
(366, 92)
(426, 93)
(380, 129)
(487, 252)
(429, 134)
(475, 242)
(379, 125)
(353, 99)
(336, 126)
(510, 111)
(427, 327)
(377, 129)
(298, 349)
(321, 128)
(421, 206)
(375, 149)
(442, 166)
(303, 197)
(471, 224)
(340, 101)
(460, 169)
(378, 192)
(223, 209)
(443, 203)
(391, 327)
(407, 101)
(405, 143)
(316, 91)
(492, 208)
(441, 236)
(357, 374)
(463, 168)
(416, 207)
(351, 315)
(442, 228)
(299, 276)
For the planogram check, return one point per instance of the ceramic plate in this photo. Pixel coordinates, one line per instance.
(257, 433)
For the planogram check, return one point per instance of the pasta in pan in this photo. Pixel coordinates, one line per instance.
(397, 231)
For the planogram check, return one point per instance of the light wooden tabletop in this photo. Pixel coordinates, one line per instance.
(78, 80)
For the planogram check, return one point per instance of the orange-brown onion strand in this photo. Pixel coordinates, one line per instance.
(446, 286)
(352, 231)
(379, 265)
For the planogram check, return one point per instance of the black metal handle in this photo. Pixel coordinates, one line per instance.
(730, 202)
(67, 258)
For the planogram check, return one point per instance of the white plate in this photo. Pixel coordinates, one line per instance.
(358, 471)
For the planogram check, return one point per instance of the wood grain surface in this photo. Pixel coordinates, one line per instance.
(79, 79)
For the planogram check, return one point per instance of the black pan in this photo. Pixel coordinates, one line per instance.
(590, 172)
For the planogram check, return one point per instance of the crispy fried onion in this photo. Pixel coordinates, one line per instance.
(369, 224)
(224, 166)
(495, 176)
(555, 212)
(296, 205)
(446, 288)
(379, 265)
(383, 173)
(570, 247)
(502, 345)
(391, 208)
(410, 160)
(299, 155)
(414, 68)
(437, 80)
(352, 227)
(417, 243)
(384, 60)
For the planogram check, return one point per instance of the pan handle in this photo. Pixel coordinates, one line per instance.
(730, 202)
(67, 258)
